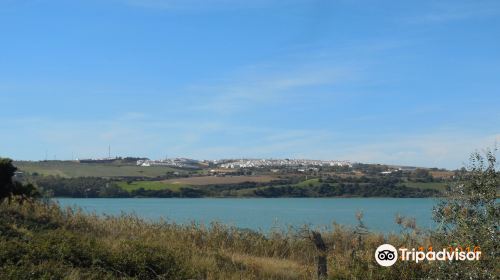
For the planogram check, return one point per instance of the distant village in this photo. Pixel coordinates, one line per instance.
(243, 163)
(251, 163)
(174, 162)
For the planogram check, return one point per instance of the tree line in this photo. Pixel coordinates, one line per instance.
(94, 187)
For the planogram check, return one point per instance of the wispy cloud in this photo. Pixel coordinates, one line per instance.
(211, 140)
(457, 10)
(155, 138)
(186, 5)
(265, 86)
(431, 149)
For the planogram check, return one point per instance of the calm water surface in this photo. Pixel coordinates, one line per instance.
(264, 214)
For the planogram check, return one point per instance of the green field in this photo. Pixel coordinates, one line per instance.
(308, 183)
(149, 185)
(71, 169)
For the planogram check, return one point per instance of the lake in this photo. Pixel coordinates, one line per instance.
(266, 213)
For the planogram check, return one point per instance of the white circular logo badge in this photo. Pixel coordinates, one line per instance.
(386, 255)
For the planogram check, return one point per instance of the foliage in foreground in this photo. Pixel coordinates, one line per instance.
(469, 216)
(40, 240)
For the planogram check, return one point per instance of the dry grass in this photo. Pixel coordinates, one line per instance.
(442, 174)
(213, 252)
(287, 269)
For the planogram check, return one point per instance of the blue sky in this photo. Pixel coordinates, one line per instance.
(401, 82)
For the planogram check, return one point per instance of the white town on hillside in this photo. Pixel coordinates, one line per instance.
(244, 163)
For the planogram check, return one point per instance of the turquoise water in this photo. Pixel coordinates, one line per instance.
(266, 213)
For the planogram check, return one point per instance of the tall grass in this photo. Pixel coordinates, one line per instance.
(41, 240)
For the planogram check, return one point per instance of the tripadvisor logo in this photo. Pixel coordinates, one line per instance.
(387, 255)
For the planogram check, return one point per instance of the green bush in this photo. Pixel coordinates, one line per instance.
(469, 216)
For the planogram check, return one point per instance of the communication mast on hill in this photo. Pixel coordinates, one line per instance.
(109, 151)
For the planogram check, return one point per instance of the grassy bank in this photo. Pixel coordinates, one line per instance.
(40, 240)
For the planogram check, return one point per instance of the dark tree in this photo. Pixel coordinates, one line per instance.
(10, 187)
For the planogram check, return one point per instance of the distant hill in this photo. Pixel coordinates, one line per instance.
(73, 169)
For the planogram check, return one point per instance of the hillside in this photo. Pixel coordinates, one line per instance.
(73, 169)
(125, 179)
